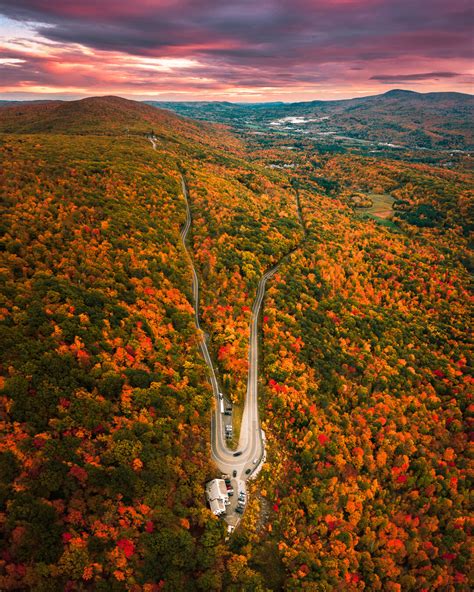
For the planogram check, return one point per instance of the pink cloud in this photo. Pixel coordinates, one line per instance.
(272, 46)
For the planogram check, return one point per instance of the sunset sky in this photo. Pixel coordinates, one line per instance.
(237, 50)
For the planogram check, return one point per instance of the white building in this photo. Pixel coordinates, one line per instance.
(217, 496)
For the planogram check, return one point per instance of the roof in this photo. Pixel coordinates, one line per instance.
(217, 506)
(217, 496)
(216, 489)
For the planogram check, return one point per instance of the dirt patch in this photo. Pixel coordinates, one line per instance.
(382, 206)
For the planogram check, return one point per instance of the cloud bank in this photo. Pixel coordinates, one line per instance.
(244, 49)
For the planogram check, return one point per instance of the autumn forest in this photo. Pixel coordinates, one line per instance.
(365, 361)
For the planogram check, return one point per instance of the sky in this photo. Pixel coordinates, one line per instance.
(236, 50)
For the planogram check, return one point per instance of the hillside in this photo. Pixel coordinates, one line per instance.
(104, 392)
(432, 120)
(365, 373)
(86, 115)
(106, 115)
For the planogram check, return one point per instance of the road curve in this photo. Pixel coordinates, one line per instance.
(251, 443)
(251, 447)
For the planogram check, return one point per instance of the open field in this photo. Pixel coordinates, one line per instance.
(382, 205)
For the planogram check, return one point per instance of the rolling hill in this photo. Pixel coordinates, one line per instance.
(107, 115)
(85, 115)
(432, 120)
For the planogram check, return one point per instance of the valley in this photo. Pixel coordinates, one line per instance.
(398, 124)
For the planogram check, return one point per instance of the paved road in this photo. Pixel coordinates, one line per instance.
(251, 447)
(250, 443)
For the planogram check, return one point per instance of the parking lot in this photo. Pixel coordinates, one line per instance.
(232, 516)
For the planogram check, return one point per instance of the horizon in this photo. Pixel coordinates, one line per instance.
(41, 98)
(240, 52)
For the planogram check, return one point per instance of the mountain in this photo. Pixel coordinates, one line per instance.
(100, 115)
(364, 373)
(432, 120)
(85, 115)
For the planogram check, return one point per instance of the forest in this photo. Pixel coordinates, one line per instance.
(365, 373)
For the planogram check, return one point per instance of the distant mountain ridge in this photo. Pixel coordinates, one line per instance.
(438, 120)
(393, 93)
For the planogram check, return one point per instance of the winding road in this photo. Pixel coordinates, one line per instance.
(251, 445)
(247, 459)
